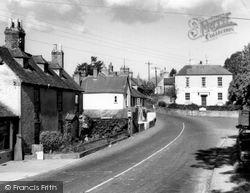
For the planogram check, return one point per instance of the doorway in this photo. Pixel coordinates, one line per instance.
(203, 100)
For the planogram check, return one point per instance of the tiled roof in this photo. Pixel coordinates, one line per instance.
(105, 84)
(5, 112)
(135, 93)
(203, 70)
(169, 81)
(34, 75)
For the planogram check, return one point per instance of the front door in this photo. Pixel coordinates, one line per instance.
(203, 100)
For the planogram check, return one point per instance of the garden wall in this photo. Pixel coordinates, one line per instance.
(168, 111)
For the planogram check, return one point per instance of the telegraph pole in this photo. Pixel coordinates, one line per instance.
(148, 63)
(156, 78)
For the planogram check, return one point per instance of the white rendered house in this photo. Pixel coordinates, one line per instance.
(203, 85)
(106, 92)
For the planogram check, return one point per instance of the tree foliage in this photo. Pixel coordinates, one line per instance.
(239, 64)
(234, 63)
(147, 88)
(171, 92)
(89, 68)
(172, 72)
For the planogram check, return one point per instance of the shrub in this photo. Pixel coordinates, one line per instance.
(67, 139)
(184, 107)
(162, 104)
(53, 140)
(224, 108)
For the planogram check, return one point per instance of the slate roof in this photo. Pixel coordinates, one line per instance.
(136, 82)
(169, 81)
(34, 75)
(203, 70)
(5, 112)
(105, 84)
(135, 93)
(39, 59)
(18, 53)
(54, 65)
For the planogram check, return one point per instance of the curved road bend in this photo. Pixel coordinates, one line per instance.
(161, 159)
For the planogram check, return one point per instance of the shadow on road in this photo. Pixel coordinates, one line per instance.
(217, 157)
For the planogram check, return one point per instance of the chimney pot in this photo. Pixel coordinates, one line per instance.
(54, 47)
(19, 23)
(59, 47)
(10, 23)
(16, 22)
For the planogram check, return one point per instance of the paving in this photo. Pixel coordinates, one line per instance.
(17, 170)
(221, 181)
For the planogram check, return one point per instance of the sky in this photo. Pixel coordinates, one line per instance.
(131, 32)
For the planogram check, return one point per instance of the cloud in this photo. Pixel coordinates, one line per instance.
(134, 11)
(149, 11)
(42, 16)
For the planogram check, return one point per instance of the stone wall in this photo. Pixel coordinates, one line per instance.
(232, 114)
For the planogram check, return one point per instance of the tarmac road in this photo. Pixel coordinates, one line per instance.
(163, 159)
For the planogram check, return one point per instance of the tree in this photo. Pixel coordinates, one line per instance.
(147, 88)
(172, 72)
(239, 89)
(171, 92)
(89, 68)
(233, 64)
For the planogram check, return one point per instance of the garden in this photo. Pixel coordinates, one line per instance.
(93, 133)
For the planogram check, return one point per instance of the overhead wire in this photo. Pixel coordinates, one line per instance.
(120, 48)
(171, 47)
(129, 9)
(112, 7)
(139, 47)
(83, 50)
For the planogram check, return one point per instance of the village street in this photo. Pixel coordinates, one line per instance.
(176, 155)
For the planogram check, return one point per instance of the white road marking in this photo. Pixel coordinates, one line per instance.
(118, 175)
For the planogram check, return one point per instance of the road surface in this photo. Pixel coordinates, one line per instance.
(176, 155)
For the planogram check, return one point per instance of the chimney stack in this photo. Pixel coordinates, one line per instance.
(15, 35)
(110, 68)
(95, 73)
(58, 55)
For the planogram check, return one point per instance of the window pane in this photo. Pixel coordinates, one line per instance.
(187, 96)
(4, 136)
(220, 96)
(203, 81)
(187, 82)
(219, 81)
(59, 101)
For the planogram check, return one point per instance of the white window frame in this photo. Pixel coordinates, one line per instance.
(220, 96)
(203, 81)
(187, 82)
(219, 81)
(187, 96)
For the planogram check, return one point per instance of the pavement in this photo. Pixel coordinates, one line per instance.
(17, 170)
(221, 181)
